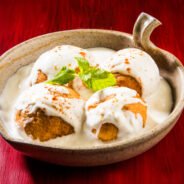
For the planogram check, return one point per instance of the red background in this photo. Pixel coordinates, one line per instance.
(23, 19)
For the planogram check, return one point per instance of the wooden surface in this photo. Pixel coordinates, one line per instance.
(24, 19)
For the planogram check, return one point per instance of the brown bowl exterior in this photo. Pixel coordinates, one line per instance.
(28, 52)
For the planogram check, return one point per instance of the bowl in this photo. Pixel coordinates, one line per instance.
(170, 68)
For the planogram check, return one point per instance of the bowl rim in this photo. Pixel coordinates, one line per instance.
(146, 135)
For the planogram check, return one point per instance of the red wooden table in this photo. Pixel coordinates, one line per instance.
(23, 19)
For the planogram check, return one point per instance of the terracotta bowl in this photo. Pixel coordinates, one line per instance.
(170, 68)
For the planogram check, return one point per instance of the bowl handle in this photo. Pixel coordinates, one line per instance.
(143, 27)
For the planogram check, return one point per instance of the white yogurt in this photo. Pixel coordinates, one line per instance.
(51, 62)
(138, 64)
(15, 85)
(43, 96)
(101, 55)
(107, 106)
(159, 105)
(160, 102)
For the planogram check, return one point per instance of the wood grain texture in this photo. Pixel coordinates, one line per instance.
(21, 20)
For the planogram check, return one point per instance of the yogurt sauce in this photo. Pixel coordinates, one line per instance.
(159, 106)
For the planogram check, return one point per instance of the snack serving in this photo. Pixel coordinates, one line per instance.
(98, 94)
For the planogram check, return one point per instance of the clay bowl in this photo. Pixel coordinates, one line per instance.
(170, 68)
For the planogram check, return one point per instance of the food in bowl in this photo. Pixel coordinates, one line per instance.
(54, 60)
(73, 96)
(114, 112)
(134, 68)
(48, 111)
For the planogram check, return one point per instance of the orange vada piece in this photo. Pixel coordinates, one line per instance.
(108, 132)
(41, 126)
(41, 77)
(129, 82)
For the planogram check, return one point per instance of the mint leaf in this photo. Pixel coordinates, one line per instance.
(94, 78)
(64, 76)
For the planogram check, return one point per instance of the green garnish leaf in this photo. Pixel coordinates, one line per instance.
(83, 64)
(94, 78)
(64, 76)
(101, 83)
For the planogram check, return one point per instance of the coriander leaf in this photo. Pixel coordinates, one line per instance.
(64, 76)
